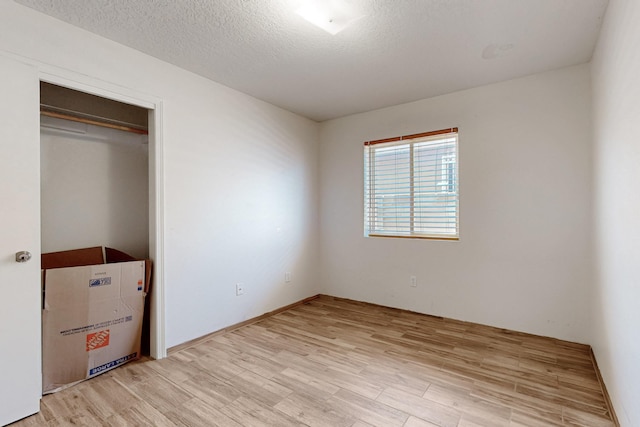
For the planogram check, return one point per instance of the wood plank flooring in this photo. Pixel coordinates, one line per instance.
(334, 362)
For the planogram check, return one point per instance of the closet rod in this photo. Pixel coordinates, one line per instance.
(45, 111)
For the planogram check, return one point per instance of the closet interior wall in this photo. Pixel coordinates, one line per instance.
(94, 175)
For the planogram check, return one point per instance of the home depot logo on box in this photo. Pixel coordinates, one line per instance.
(98, 340)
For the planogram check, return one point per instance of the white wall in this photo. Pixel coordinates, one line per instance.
(616, 112)
(241, 196)
(94, 188)
(523, 259)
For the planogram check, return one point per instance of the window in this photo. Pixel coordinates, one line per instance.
(411, 186)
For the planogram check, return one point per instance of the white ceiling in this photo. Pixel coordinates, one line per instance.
(400, 51)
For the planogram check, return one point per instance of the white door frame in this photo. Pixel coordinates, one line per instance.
(73, 80)
(158, 348)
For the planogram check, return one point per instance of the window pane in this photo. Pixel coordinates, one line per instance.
(436, 206)
(391, 185)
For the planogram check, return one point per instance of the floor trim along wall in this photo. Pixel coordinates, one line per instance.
(605, 393)
(197, 341)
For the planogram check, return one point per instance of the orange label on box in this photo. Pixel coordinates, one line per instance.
(97, 340)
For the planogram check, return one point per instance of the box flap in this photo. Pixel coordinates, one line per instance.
(114, 255)
(72, 258)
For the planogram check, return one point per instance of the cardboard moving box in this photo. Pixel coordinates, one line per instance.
(91, 320)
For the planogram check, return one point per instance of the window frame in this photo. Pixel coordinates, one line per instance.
(443, 176)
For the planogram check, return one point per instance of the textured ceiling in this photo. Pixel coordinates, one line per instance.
(400, 51)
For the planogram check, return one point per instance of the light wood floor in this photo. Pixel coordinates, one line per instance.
(334, 362)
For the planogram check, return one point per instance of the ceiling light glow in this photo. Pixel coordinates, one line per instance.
(332, 16)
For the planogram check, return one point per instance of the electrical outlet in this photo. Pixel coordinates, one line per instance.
(287, 277)
(413, 281)
(239, 289)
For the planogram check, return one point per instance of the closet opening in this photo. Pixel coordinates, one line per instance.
(96, 186)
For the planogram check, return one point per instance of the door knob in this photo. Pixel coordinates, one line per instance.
(23, 256)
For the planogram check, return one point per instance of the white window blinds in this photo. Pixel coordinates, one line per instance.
(411, 186)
